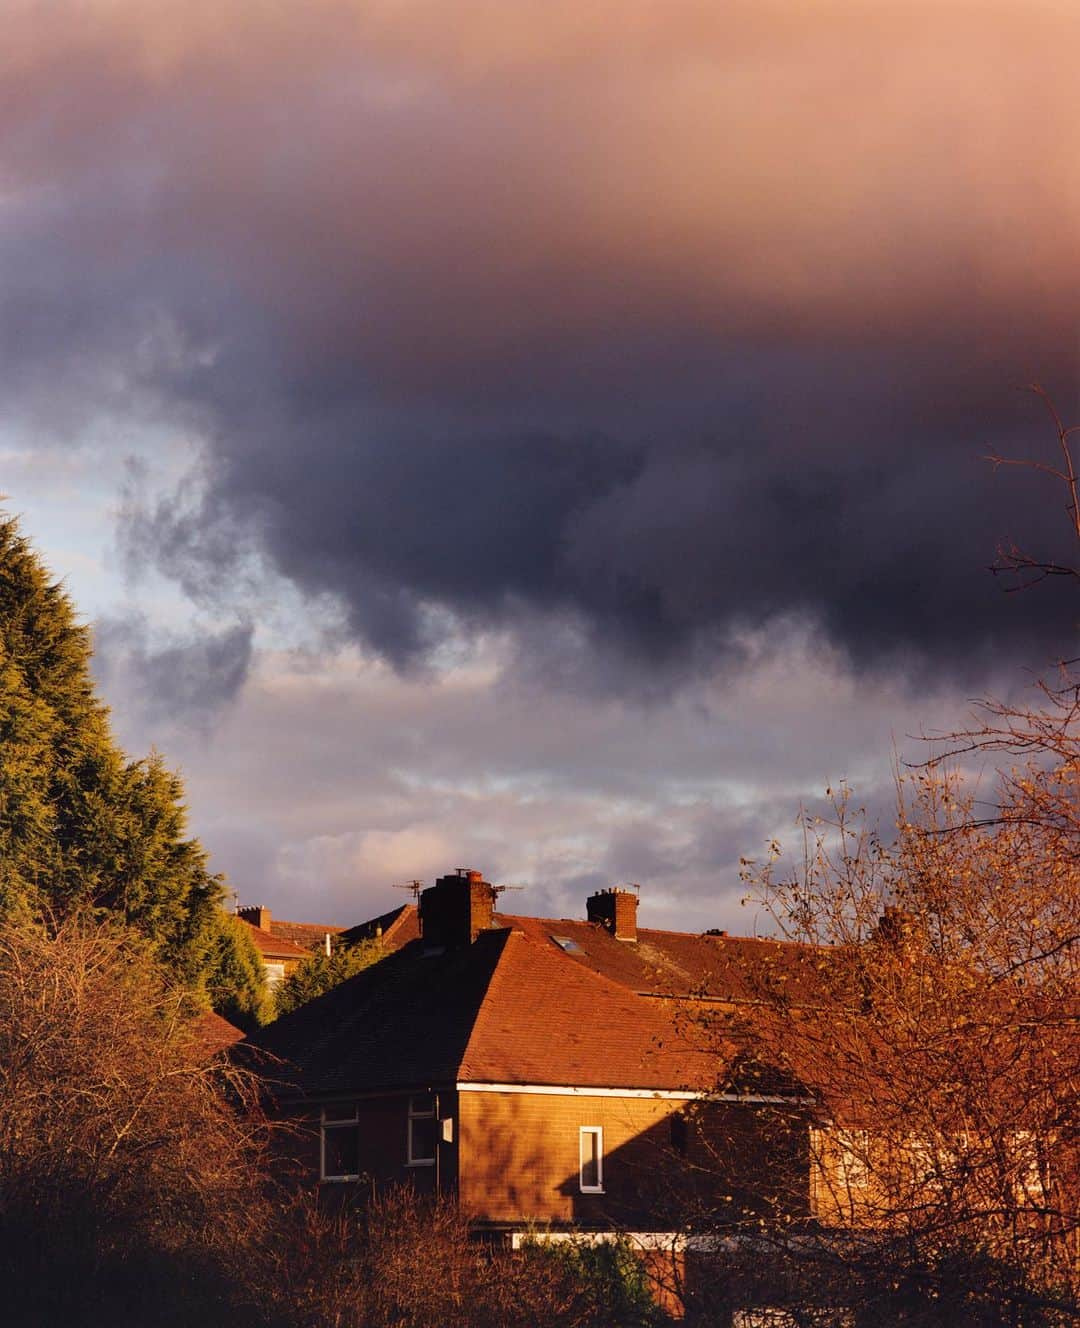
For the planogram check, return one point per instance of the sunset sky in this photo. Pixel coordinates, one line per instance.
(543, 437)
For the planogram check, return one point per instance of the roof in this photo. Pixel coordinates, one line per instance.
(214, 1034)
(309, 935)
(275, 947)
(682, 964)
(519, 1006)
(394, 929)
(402, 1022)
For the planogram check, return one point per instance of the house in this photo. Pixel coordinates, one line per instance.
(577, 1078)
(283, 946)
(549, 1073)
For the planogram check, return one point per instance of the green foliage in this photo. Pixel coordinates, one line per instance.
(82, 828)
(321, 972)
(235, 979)
(612, 1286)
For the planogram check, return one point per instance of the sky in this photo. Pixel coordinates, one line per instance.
(545, 438)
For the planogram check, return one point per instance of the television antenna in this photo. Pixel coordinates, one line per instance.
(496, 890)
(414, 887)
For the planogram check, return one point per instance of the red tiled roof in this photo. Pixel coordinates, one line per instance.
(518, 1006)
(310, 935)
(214, 1034)
(546, 1019)
(274, 947)
(682, 964)
(402, 1022)
(395, 929)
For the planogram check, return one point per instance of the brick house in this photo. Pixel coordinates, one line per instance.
(543, 1072)
(283, 946)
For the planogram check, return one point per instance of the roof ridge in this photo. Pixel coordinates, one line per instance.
(290, 922)
(509, 919)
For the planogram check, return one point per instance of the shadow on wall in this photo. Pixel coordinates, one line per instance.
(700, 1167)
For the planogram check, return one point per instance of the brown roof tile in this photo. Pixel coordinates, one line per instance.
(548, 1020)
(681, 964)
(310, 935)
(403, 1022)
(274, 947)
(214, 1034)
(536, 1001)
(395, 929)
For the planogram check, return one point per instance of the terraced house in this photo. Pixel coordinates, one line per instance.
(549, 1073)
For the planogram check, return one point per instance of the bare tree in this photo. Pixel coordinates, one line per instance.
(938, 1048)
(129, 1152)
(1019, 568)
(938, 1043)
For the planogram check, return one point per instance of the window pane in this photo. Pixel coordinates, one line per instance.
(590, 1159)
(422, 1139)
(342, 1151)
(422, 1104)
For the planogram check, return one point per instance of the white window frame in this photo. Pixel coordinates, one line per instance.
(411, 1159)
(596, 1131)
(344, 1123)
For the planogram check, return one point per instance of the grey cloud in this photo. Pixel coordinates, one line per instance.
(183, 682)
(327, 782)
(651, 338)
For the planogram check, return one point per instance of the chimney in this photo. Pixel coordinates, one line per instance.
(456, 909)
(256, 915)
(615, 909)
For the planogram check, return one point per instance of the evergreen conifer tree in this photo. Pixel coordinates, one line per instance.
(82, 828)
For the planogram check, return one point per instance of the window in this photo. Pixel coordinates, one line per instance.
(422, 1128)
(275, 973)
(591, 1159)
(340, 1142)
(853, 1148)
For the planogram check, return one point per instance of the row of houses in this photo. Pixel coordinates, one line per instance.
(558, 1075)
(546, 1074)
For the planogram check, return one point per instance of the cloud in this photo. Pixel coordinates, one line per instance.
(644, 327)
(172, 680)
(331, 778)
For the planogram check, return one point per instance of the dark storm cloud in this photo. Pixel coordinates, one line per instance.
(664, 325)
(187, 681)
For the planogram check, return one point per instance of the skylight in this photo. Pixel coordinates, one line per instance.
(568, 944)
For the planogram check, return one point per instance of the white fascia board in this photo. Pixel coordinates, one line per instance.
(660, 1094)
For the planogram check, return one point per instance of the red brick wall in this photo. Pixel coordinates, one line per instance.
(382, 1135)
(518, 1159)
(518, 1155)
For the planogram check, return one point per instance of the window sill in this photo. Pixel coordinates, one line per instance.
(591, 1189)
(422, 1162)
(338, 1180)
